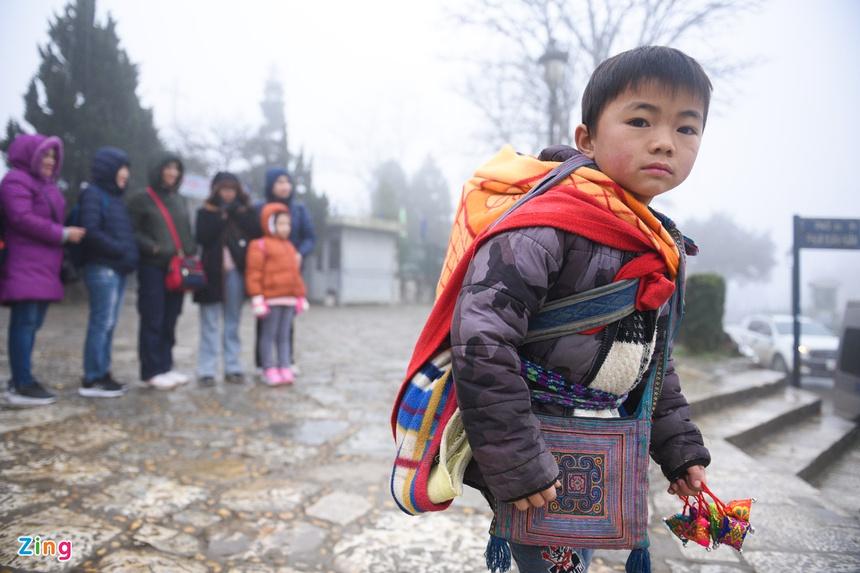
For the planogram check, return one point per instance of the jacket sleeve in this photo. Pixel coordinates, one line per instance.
(307, 237)
(254, 264)
(676, 442)
(19, 216)
(507, 281)
(209, 225)
(93, 208)
(137, 211)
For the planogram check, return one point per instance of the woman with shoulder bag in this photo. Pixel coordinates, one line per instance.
(163, 232)
(226, 223)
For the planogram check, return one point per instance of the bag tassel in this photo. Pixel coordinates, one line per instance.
(639, 561)
(498, 555)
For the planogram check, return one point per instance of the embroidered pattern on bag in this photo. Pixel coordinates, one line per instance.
(583, 487)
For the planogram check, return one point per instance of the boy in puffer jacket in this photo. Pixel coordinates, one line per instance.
(274, 283)
(643, 116)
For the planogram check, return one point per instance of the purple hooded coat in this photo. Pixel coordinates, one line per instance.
(33, 211)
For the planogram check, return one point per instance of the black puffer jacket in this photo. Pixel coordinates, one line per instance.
(511, 276)
(217, 226)
(110, 237)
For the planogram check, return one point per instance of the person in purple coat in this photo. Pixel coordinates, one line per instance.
(33, 212)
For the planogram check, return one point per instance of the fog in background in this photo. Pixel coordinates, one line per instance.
(380, 79)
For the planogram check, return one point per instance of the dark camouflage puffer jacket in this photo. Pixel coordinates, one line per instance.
(511, 277)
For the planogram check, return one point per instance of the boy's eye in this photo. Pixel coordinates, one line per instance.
(688, 130)
(638, 122)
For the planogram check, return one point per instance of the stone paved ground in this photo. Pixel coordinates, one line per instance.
(254, 479)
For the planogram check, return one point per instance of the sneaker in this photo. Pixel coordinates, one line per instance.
(272, 376)
(178, 377)
(104, 387)
(31, 395)
(161, 382)
(288, 375)
(235, 378)
(206, 381)
(295, 368)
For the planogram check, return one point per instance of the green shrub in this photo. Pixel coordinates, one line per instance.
(702, 329)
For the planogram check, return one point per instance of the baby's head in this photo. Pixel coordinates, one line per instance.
(643, 114)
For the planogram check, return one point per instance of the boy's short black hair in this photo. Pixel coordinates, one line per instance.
(667, 66)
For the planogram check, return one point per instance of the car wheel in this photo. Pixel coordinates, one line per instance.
(779, 364)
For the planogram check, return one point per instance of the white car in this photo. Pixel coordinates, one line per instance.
(768, 340)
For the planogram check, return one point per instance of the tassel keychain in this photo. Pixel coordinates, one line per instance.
(700, 530)
(734, 525)
(712, 524)
(680, 523)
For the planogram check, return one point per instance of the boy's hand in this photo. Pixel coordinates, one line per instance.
(538, 499)
(690, 484)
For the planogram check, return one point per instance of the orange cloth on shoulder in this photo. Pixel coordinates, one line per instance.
(507, 177)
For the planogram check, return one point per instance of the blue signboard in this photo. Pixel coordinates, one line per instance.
(815, 234)
(827, 234)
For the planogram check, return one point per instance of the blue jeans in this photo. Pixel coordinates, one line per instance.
(531, 559)
(159, 310)
(107, 289)
(25, 320)
(210, 327)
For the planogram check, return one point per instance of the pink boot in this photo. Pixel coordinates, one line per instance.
(272, 377)
(287, 375)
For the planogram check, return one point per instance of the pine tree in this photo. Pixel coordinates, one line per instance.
(13, 129)
(428, 217)
(390, 189)
(85, 92)
(317, 203)
(270, 148)
(423, 205)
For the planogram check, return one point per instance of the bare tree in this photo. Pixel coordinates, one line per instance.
(509, 87)
(192, 146)
(219, 146)
(230, 142)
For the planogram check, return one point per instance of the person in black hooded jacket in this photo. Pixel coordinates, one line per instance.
(159, 308)
(280, 189)
(226, 223)
(109, 254)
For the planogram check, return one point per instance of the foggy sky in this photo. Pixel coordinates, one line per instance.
(368, 81)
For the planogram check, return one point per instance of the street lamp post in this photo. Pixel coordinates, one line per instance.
(554, 62)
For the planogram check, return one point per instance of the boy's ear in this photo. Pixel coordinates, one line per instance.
(583, 141)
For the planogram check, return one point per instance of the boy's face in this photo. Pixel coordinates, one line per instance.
(647, 139)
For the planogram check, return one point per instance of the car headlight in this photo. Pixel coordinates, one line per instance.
(803, 349)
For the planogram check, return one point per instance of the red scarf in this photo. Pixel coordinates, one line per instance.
(567, 209)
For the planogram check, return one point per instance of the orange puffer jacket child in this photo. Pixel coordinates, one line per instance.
(272, 266)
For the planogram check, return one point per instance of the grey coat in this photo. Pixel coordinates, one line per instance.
(511, 277)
